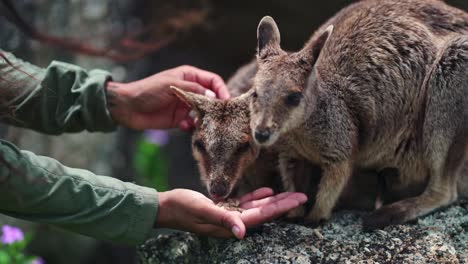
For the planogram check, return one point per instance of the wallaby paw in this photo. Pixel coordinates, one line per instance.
(385, 216)
(316, 217)
(296, 213)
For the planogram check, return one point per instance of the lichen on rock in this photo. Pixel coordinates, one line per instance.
(441, 237)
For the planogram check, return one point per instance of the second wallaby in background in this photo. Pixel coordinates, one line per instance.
(381, 84)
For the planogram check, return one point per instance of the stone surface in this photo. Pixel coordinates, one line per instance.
(441, 237)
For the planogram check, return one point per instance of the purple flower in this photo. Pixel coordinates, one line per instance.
(11, 234)
(158, 137)
(38, 260)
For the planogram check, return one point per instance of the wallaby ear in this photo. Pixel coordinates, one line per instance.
(198, 102)
(268, 37)
(313, 48)
(244, 96)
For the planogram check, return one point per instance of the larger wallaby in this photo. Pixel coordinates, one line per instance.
(381, 84)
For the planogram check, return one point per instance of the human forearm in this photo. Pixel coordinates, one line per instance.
(61, 98)
(41, 189)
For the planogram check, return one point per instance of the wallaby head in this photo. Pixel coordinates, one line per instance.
(222, 143)
(282, 94)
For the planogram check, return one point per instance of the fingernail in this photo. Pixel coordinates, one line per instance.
(236, 231)
(192, 114)
(210, 93)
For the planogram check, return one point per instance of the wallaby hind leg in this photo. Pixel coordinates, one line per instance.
(439, 193)
(445, 139)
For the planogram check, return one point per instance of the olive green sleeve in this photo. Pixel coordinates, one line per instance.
(41, 189)
(61, 98)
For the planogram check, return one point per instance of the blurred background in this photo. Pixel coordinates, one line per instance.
(133, 39)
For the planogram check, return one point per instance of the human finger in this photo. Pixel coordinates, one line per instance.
(195, 87)
(207, 79)
(213, 214)
(185, 125)
(262, 202)
(258, 215)
(257, 194)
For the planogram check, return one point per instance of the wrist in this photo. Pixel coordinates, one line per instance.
(118, 101)
(162, 217)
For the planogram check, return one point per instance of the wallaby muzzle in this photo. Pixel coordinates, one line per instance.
(262, 135)
(219, 189)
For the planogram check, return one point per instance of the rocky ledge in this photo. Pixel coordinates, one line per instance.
(441, 237)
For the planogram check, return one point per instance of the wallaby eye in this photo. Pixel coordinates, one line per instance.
(303, 62)
(199, 146)
(254, 95)
(293, 99)
(243, 148)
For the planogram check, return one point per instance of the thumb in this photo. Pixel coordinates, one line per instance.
(195, 88)
(230, 220)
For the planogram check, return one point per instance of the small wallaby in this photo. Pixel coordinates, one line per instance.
(382, 84)
(222, 143)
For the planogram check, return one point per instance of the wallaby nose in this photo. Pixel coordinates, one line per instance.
(218, 189)
(262, 135)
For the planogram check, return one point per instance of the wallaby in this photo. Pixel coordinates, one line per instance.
(382, 84)
(232, 164)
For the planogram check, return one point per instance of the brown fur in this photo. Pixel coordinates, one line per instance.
(381, 84)
(221, 159)
(223, 127)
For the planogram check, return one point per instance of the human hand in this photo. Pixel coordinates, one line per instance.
(149, 103)
(192, 211)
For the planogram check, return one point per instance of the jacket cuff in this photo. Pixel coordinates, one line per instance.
(80, 103)
(97, 115)
(144, 214)
(105, 123)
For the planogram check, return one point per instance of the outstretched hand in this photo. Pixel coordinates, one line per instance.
(192, 211)
(150, 104)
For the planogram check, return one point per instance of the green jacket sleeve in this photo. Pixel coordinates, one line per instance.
(66, 98)
(61, 98)
(41, 189)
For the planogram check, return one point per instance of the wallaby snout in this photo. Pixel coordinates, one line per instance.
(262, 134)
(219, 189)
(263, 129)
(265, 136)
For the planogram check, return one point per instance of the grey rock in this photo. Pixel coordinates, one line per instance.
(441, 237)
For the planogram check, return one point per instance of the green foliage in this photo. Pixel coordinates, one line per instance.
(13, 253)
(151, 165)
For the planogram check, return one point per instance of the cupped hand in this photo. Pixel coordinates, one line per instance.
(193, 212)
(150, 104)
